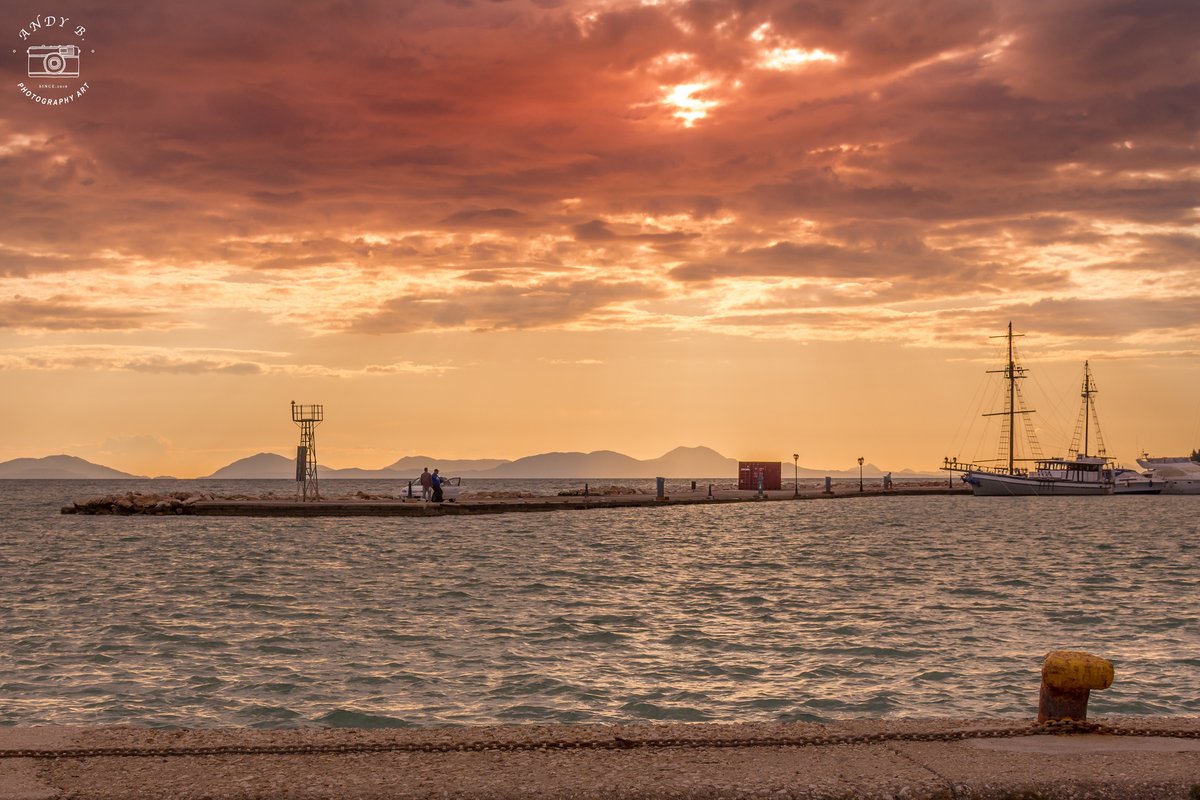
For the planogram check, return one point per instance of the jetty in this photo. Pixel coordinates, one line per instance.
(866, 759)
(1059, 754)
(366, 505)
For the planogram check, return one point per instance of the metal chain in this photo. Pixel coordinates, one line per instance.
(1057, 727)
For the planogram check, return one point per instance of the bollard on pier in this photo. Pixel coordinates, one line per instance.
(1068, 677)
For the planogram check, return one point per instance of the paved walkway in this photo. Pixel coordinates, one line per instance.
(1049, 767)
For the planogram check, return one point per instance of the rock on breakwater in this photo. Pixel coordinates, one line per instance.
(137, 503)
(183, 502)
(599, 491)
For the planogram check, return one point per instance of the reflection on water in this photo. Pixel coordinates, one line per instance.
(816, 610)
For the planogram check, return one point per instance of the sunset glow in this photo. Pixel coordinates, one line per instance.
(687, 107)
(783, 58)
(496, 229)
(780, 54)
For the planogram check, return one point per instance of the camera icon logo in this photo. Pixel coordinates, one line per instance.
(54, 61)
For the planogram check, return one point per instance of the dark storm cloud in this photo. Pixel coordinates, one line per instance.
(486, 218)
(1077, 48)
(1084, 318)
(598, 231)
(891, 272)
(499, 307)
(66, 314)
(20, 264)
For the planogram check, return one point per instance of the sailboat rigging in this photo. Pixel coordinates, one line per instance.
(1080, 474)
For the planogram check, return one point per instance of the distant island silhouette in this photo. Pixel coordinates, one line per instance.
(682, 462)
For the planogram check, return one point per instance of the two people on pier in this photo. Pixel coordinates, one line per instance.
(431, 486)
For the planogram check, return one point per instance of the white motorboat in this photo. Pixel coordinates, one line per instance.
(1177, 474)
(1130, 481)
(1079, 474)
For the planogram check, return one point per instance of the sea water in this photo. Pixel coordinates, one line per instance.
(816, 610)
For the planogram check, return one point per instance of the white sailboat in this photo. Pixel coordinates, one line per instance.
(1082, 474)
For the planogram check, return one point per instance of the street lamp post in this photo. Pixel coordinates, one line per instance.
(860, 483)
(796, 475)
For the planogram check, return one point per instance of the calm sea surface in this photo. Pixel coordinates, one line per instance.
(812, 610)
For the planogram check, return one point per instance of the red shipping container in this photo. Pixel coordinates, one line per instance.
(771, 472)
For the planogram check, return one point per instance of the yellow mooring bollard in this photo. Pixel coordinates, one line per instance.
(1068, 676)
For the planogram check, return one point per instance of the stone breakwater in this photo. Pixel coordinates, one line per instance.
(184, 502)
(599, 491)
(363, 504)
(140, 503)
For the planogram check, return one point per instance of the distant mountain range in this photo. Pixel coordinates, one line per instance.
(700, 462)
(58, 468)
(682, 462)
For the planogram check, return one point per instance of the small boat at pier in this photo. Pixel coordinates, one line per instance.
(1130, 481)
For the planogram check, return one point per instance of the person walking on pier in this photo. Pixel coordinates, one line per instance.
(426, 484)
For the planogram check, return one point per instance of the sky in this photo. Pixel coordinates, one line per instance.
(492, 229)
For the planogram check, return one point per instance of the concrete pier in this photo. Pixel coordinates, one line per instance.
(354, 507)
(527, 762)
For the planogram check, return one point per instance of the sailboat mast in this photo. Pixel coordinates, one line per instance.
(1011, 373)
(1012, 390)
(1087, 405)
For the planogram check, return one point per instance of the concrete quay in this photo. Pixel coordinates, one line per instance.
(353, 507)
(708, 764)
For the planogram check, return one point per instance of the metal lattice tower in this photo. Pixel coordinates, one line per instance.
(308, 418)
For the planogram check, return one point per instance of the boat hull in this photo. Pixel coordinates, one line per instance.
(1127, 481)
(1138, 490)
(991, 485)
